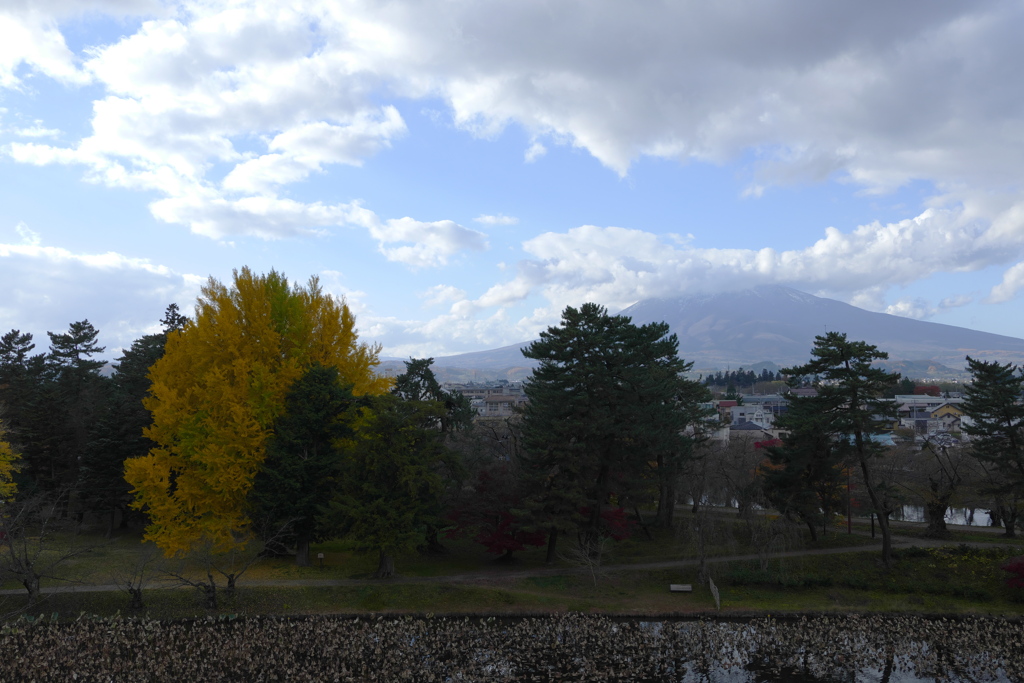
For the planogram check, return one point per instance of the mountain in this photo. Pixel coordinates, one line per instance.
(495, 359)
(778, 325)
(484, 366)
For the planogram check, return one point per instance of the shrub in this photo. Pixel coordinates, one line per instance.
(1016, 568)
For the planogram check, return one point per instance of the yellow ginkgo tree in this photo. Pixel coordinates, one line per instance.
(216, 392)
(9, 464)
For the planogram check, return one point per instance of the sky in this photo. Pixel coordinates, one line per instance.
(461, 171)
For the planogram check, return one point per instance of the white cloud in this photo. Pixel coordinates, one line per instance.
(955, 301)
(918, 309)
(1013, 282)
(219, 106)
(33, 41)
(535, 151)
(46, 288)
(183, 90)
(209, 214)
(37, 130)
(29, 237)
(878, 95)
(618, 266)
(33, 38)
(419, 244)
(500, 219)
(334, 282)
(438, 294)
(304, 149)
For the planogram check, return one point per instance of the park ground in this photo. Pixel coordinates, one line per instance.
(960, 574)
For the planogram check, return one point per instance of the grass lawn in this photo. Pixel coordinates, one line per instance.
(949, 579)
(958, 535)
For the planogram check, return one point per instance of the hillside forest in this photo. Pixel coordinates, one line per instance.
(260, 426)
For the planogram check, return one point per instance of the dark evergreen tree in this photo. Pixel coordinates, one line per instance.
(297, 478)
(602, 404)
(418, 383)
(120, 423)
(58, 408)
(850, 392)
(14, 354)
(71, 352)
(691, 412)
(173, 320)
(389, 482)
(20, 376)
(995, 405)
(118, 433)
(804, 474)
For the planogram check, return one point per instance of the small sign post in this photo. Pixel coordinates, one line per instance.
(320, 556)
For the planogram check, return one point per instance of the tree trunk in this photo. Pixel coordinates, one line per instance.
(210, 592)
(302, 552)
(666, 506)
(936, 514)
(1010, 522)
(136, 594)
(434, 545)
(883, 517)
(385, 567)
(552, 541)
(813, 529)
(601, 494)
(31, 584)
(702, 567)
(640, 521)
(744, 506)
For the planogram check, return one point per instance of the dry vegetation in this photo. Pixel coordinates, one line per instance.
(562, 647)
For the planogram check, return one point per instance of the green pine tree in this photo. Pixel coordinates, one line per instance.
(995, 405)
(117, 433)
(297, 477)
(389, 482)
(804, 474)
(850, 392)
(602, 405)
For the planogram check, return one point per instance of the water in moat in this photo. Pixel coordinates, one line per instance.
(962, 516)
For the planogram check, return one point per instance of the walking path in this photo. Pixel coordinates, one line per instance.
(508, 574)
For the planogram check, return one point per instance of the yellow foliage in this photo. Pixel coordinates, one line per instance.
(217, 391)
(9, 464)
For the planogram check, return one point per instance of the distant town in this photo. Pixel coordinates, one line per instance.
(932, 412)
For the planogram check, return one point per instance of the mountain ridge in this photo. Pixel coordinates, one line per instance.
(778, 324)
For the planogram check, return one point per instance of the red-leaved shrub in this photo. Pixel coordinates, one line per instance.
(1015, 567)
